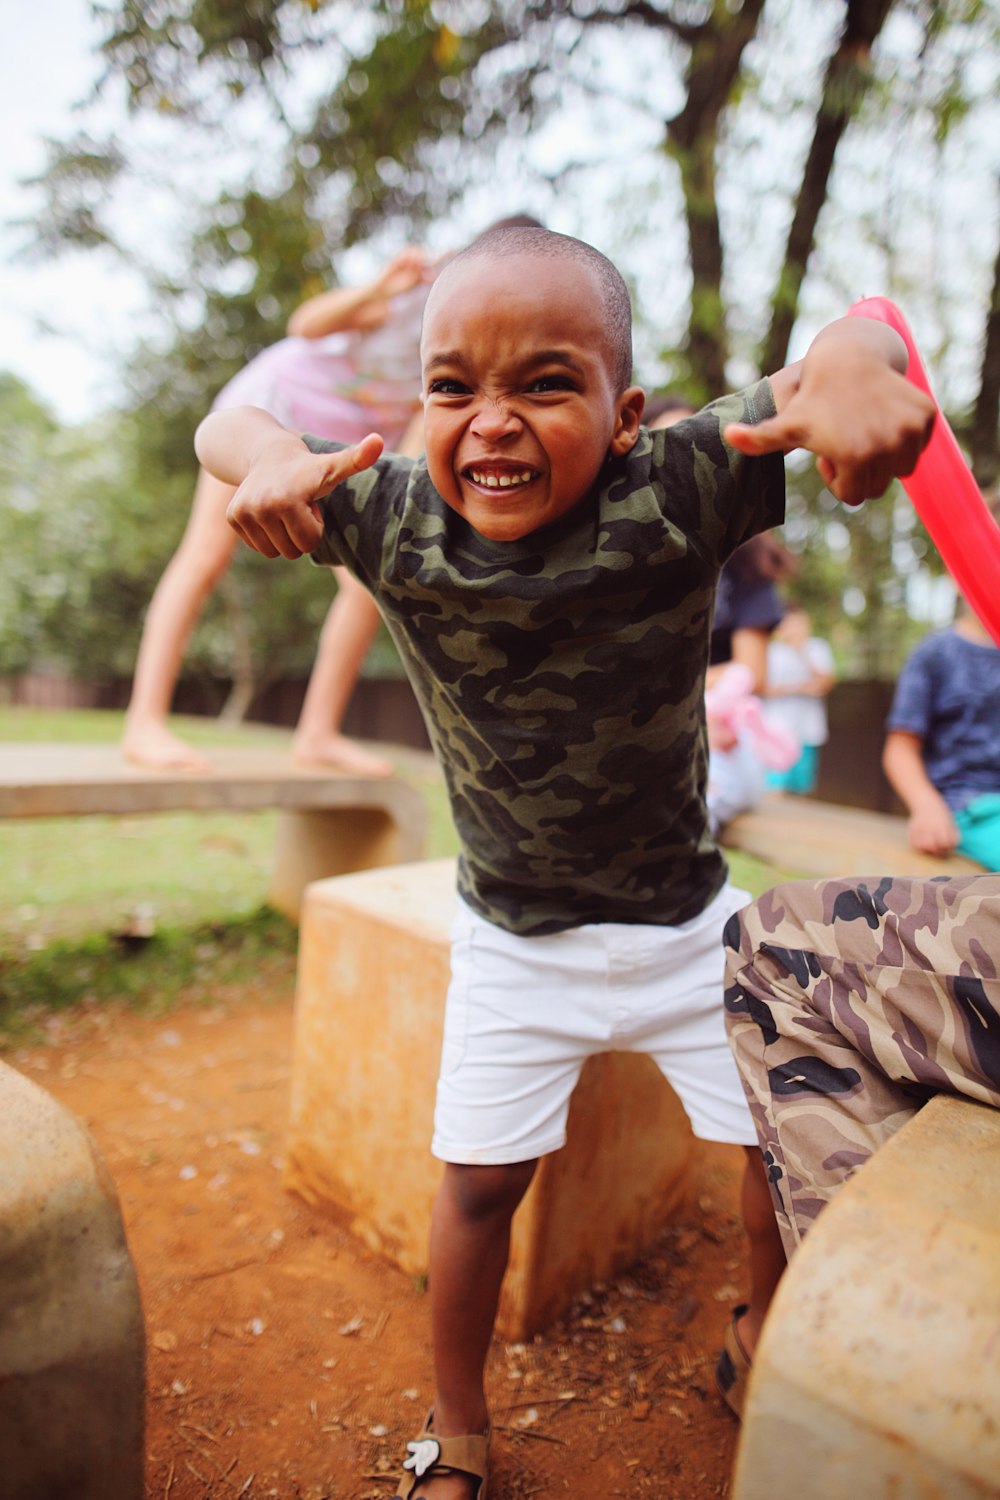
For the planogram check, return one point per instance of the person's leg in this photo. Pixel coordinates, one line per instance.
(849, 1003)
(199, 562)
(350, 627)
(518, 1015)
(677, 1000)
(470, 1243)
(767, 1254)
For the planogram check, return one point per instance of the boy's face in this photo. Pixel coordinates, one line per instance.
(520, 401)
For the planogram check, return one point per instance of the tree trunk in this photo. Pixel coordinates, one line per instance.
(984, 435)
(848, 75)
(714, 63)
(244, 683)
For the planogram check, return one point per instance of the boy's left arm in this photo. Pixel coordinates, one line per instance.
(849, 402)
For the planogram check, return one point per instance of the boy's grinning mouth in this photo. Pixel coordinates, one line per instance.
(494, 480)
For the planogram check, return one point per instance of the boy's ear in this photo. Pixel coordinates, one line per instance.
(627, 419)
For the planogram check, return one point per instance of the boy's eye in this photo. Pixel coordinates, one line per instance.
(546, 383)
(444, 386)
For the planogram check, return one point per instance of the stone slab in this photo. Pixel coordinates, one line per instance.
(72, 1348)
(330, 822)
(878, 1373)
(373, 974)
(820, 839)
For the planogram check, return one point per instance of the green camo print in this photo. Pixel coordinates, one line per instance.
(561, 676)
(849, 1003)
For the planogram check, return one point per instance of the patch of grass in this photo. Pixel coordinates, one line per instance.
(252, 955)
(754, 875)
(66, 877)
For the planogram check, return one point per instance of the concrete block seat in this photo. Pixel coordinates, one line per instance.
(72, 1349)
(822, 839)
(330, 822)
(878, 1373)
(373, 974)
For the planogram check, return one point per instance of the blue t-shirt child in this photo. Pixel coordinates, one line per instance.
(948, 694)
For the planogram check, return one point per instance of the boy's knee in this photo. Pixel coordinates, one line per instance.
(485, 1192)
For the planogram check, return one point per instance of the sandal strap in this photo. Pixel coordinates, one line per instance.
(732, 1370)
(463, 1455)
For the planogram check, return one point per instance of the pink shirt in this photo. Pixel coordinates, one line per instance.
(342, 386)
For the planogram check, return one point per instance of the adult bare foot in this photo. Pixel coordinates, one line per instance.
(340, 754)
(154, 745)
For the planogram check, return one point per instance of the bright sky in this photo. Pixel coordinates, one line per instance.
(88, 305)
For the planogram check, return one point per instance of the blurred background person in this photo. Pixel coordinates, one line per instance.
(942, 749)
(800, 674)
(748, 608)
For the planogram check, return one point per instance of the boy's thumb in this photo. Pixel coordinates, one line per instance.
(366, 452)
(764, 437)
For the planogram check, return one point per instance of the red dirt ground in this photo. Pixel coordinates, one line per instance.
(286, 1360)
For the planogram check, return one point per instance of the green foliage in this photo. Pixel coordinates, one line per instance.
(78, 184)
(418, 101)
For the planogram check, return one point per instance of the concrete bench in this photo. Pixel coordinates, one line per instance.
(822, 839)
(878, 1373)
(373, 972)
(72, 1349)
(329, 823)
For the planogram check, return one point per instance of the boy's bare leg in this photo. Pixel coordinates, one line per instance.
(470, 1243)
(199, 562)
(767, 1255)
(348, 631)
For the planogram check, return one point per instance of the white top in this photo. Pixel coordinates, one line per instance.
(787, 668)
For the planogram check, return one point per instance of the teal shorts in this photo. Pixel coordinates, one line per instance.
(978, 825)
(801, 777)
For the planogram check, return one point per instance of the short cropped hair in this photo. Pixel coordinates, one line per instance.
(503, 240)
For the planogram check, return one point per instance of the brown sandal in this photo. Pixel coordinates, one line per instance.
(732, 1368)
(446, 1455)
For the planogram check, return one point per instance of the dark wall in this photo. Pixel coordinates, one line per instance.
(850, 769)
(381, 708)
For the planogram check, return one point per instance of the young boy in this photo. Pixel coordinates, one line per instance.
(942, 751)
(548, 574)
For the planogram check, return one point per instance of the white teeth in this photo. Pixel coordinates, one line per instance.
(500, 481)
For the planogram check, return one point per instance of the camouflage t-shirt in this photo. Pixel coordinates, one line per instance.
(562, 676)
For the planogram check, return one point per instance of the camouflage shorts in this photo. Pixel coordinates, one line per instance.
(848, 1004)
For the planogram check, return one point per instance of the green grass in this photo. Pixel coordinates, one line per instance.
(72, 877)
(244, 957)
(71, 889)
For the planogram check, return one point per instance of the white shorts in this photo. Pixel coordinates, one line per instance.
(524, 1013)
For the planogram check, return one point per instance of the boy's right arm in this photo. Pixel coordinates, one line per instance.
(932, 828)
(278, 481)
